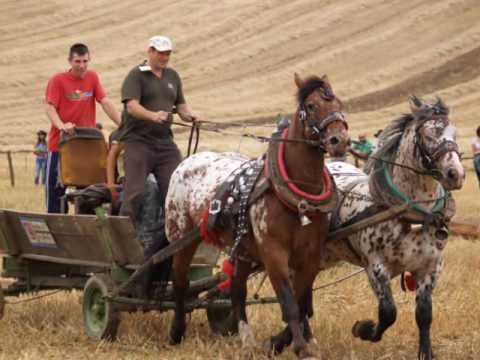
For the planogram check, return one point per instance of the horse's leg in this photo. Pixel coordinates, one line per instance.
(387, 312)
(423, 311)
(181, 267)
(277, 268)
(284, 338)
(238, 296)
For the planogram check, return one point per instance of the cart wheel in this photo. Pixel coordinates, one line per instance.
(222, 320)
(100, 317)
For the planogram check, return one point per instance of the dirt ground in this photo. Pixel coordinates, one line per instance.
(237, 57)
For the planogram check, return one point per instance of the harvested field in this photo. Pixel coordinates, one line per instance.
(237, 60)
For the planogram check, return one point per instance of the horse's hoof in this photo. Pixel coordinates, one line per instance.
(313, 345)
(268, 348)
(246, 335)
(426, 356)
(307, 356)
(364, 330)
(176, 336)
(274, 346)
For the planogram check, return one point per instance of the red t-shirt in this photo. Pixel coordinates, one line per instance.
(74, 98)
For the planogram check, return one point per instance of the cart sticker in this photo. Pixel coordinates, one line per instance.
(38, 232)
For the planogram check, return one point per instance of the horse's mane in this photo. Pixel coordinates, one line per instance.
(389, 139)
(310, 85)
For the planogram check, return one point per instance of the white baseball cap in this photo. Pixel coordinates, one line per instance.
(161, 43)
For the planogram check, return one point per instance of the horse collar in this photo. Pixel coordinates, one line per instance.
(289, 194)
(439, 203)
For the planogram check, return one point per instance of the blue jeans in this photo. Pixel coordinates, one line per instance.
(40, 170)
(53, 190)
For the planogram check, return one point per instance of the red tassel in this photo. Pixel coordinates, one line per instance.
(209, 236)
(227, 269)
(114, 195)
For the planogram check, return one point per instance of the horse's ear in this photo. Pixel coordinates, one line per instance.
(298, 80)
(325, 79)
(440, 104)
(415, 103)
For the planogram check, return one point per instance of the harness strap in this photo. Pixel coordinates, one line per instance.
(439, 204)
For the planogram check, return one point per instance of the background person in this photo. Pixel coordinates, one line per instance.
(375, 142)
(476, 154)
(40, 151)
(70, 101)
(362, 148)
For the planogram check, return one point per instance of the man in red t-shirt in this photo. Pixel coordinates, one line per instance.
(70, 101)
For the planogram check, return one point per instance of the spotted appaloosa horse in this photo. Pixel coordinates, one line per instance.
(417, 162)
(276, 238)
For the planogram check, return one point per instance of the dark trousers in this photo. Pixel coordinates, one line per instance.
(53, 190)
(141, 160)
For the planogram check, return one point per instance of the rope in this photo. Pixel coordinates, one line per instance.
(338, 281)
(33, 298)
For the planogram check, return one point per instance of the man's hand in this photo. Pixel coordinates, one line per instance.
(68, 127)
(160, 116)
(191, 118)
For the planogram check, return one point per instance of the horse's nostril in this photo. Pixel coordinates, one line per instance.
(452, 174)
(334, 140)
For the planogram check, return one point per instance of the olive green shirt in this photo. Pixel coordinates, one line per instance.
(154, 94)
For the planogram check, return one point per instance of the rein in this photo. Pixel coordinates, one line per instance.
(194, 131)
(263, 139)
(416, 171)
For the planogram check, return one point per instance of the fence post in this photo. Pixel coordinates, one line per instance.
(10, 166)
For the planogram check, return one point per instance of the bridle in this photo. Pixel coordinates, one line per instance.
(429, 158)
(318, 127)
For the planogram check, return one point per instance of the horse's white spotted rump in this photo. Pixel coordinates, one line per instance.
(192, 186)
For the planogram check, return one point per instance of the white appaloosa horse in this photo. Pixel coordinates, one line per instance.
(417, 162)
(272, 228)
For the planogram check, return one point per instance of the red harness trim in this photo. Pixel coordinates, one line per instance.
(209, 236)
(283, 171)
(227, 269)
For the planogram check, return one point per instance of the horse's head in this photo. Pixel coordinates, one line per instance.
(320, 115)
(435, 142)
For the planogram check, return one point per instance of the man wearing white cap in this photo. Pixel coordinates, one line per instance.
(150, 92)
